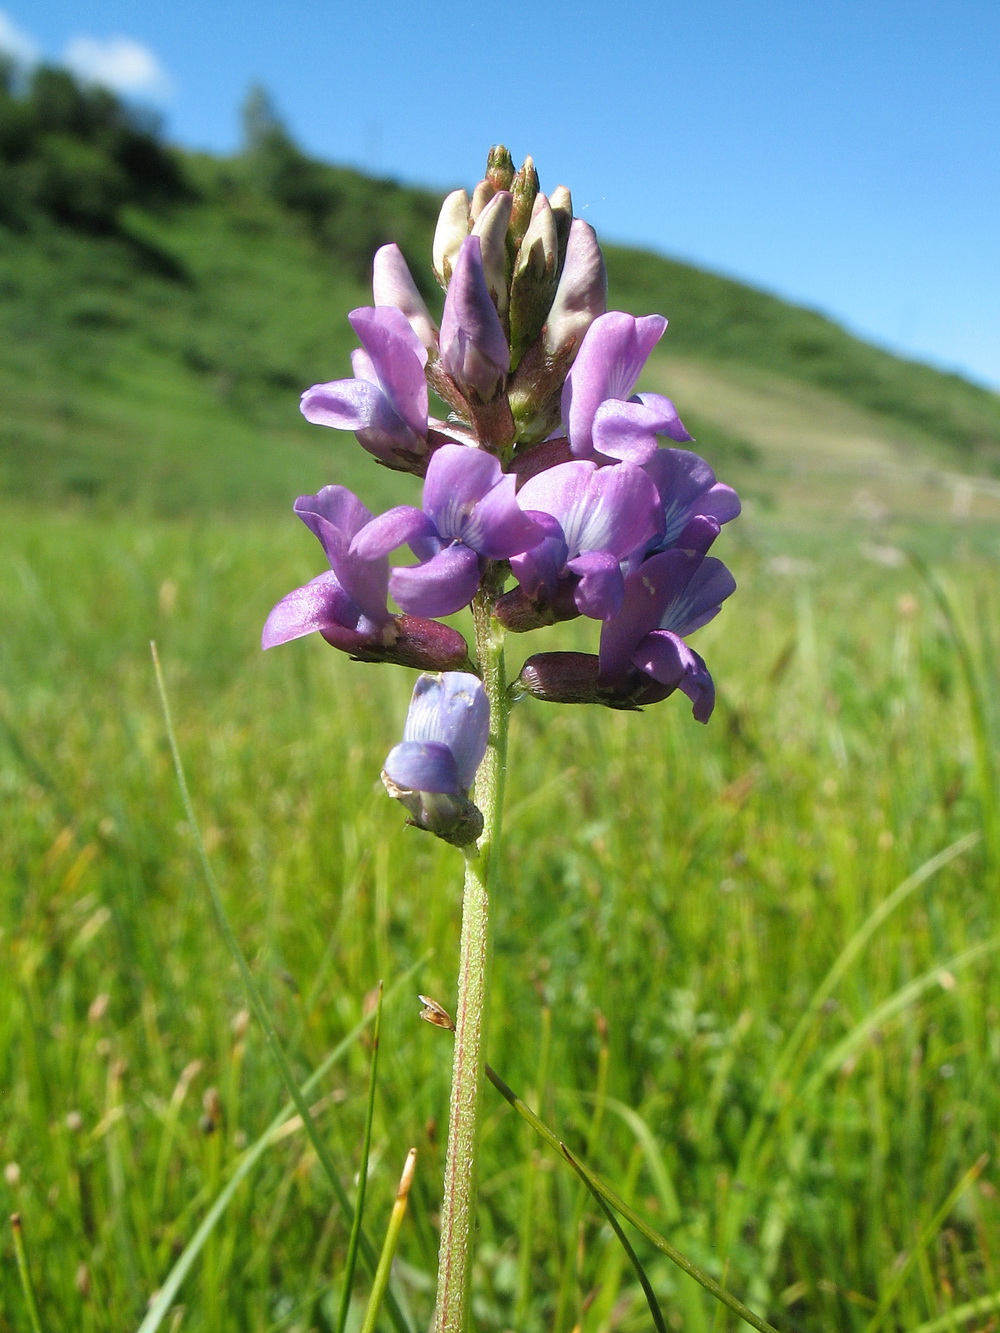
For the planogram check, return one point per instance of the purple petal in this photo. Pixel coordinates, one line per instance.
(347, 405)
(498, 527)
(650, 589)
(670, 422)
(699, 600)
(440, 586)
(398, 357)
(361, 406)
(320, 604)
(387, 531)
(626, 431)
(393, 285)
(608, 365)
(424, 766)
(537, 571)
(457, 479)
(474, 350)
(341, 509)
(609, 509)
(601, 588)
(670, 661)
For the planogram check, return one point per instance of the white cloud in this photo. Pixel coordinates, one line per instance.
(15, 42)
(119, 63)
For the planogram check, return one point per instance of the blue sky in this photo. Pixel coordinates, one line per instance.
(842, 154)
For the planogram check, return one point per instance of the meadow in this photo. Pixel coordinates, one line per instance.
(673, 899)
(747, 972)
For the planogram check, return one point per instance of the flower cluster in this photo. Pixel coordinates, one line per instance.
(549, 468)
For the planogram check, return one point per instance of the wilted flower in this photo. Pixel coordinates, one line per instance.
(444, 740)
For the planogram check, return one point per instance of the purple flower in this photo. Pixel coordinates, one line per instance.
(347, 604)
(469, 511)
(693, 505)
(594, 518)
(444, 741)
(474, 349)
(669, 595)
(603, 419)
(386, 403)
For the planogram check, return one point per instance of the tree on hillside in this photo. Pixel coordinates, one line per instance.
(77, 154)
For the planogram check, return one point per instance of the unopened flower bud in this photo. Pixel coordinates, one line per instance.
(563, 678)
(533, 284)
(481, 196)
(393, 285)
(582, 293)
(491, 228)
(524, 188)
(474, 349)
(444, 740)
(499, 167)
(452, 228)
(561, 203)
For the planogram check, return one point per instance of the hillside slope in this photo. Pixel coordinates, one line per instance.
(153, 353)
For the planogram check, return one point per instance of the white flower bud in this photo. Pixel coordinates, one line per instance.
(451, 230)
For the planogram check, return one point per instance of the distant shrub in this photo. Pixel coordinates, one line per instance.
(78, 154)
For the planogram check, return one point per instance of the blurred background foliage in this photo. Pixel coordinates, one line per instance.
(673, 896)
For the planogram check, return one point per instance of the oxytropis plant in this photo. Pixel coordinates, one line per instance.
(552, 490)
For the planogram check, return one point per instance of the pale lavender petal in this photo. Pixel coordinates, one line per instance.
(389, 530)
(498, 527)
(363, 366)
(608, 365)
(398, 357)
(318, 605)
(393, 285)
(601, 588)
(440, 586)
(348, 405)
(423, 766)
(452, 710)
(582, 292)
(457, 479)
(670, 422)
(474, 350)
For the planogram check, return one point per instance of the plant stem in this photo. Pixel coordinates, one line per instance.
(460, 1177)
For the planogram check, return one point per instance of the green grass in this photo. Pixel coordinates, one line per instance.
(673, 897)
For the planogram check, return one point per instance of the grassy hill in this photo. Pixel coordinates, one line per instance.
(157, 330)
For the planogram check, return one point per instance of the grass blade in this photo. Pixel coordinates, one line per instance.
(24, 1273)
(381, 1283)
(366, 1145)
(256, 999)
(279, 1125)
(926, 1236)
(604, 1191)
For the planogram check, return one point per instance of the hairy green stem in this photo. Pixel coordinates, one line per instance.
(458, 1204)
